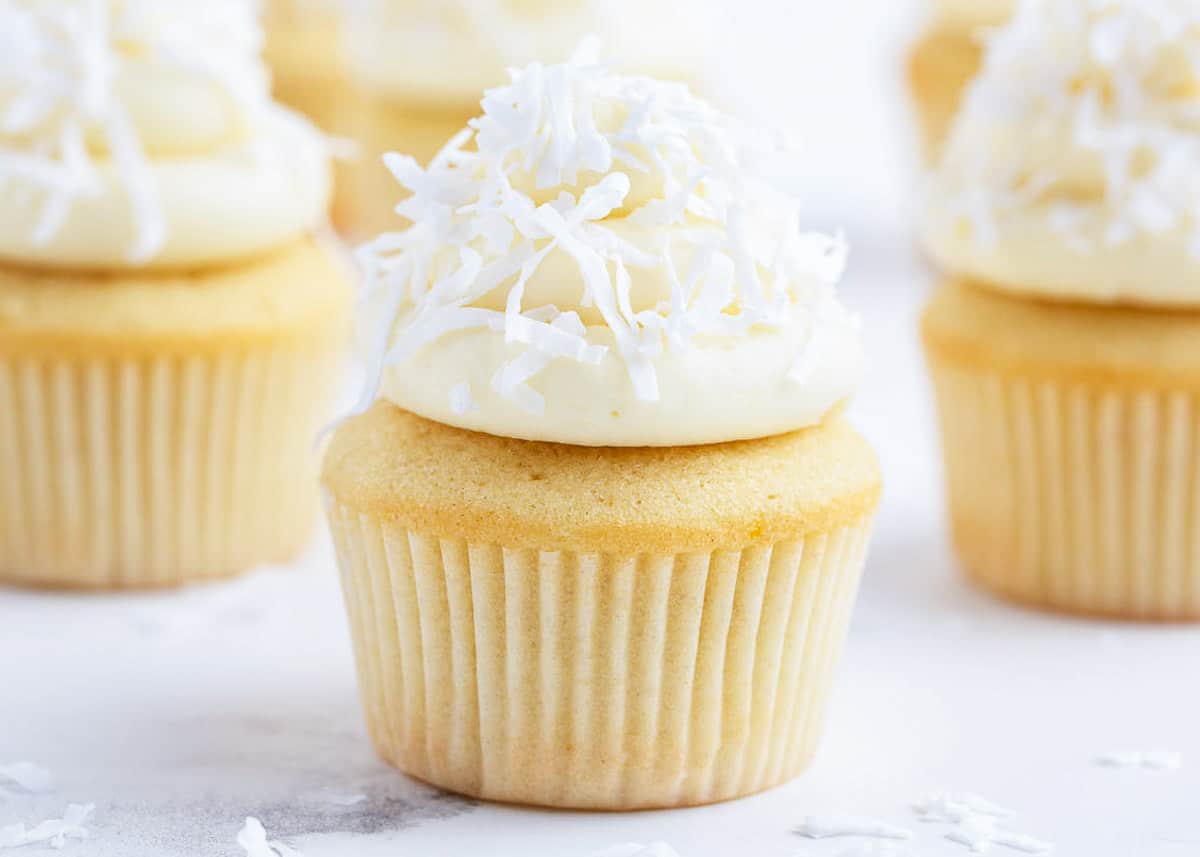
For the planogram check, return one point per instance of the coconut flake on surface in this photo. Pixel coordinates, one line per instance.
(975, 823)
(982, 832)
(876, 849)
(253, 840)
(27, 777)
(632, 849)
(55, 832)
(947, 808)
(825, 827)
(346, 800)
(1154, 760)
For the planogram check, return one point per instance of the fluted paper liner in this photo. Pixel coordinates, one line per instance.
(591, 680)
(1074, 496)
(151, 471)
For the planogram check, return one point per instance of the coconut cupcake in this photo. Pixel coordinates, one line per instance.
(420, 65)
(1065, 343)
(601, 532)
(946, 58)
(168, 324)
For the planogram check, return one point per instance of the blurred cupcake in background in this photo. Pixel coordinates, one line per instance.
(1065, 341)
(946, 58)
(168, 323)
(419, 66)
(304, 50)
(601, 522)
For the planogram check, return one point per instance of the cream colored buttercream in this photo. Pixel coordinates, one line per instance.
(137, 133)
(448, 51)
(227, 205)
(636, 277)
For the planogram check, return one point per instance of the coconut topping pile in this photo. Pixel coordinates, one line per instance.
(575, 159)
(1092, 107)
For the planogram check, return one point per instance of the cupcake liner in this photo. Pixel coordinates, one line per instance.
(152, 471)
(594, 680)
(1074, 496)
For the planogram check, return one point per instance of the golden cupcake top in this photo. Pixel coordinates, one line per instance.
(141, 133)
(440, 480)
(443, 53)
(1074, 167)
(607, 260)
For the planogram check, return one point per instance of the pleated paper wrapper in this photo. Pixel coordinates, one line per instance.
(1072, 496)
(156, 471)
(592, 680)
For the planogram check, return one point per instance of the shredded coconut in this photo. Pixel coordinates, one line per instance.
(657, 849)
(1157, 760)
(27, 777)
(976, 823)
(63, 124)
(981, 832)
(461, 401)
(946, 808)
(346, 800)
(570, 159)
(1079, 98)
(825, 827)
(54, 832)
(253, 840)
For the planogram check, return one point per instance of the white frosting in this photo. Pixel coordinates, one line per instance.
(605, 260)
(972, 14)
(445, 52)
(1073, 170)
(137, 132)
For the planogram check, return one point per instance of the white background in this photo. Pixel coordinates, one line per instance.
(180, 714)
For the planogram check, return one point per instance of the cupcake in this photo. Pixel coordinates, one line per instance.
(1065, 340)
(602, 521)
(946, 58)
(168, 323)
(419, 66)
(305, 53)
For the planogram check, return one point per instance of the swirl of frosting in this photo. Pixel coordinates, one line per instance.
(1073, 170)
(445, 52)
(141, 132)
(607, 260)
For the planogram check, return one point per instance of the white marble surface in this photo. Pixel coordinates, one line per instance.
(180, 714)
